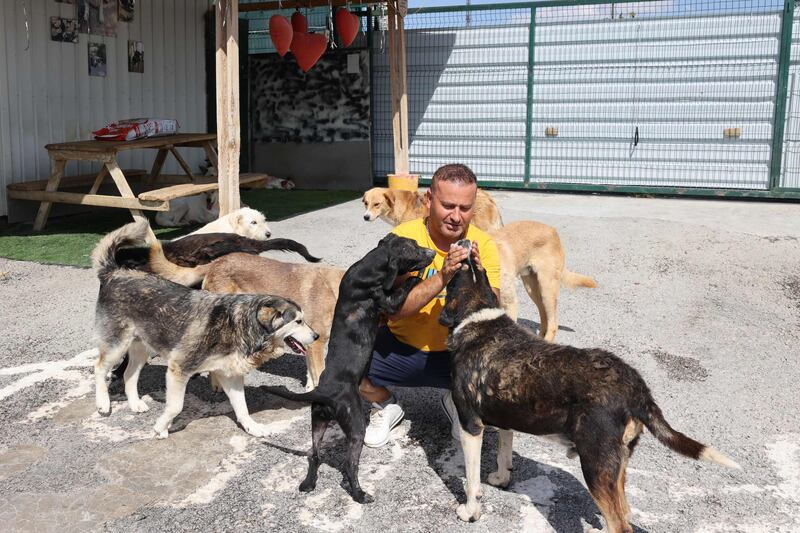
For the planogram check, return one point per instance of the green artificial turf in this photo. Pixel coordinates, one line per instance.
(69, 240)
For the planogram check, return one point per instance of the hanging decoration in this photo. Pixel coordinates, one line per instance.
(281, 33)
(299, 22)
(347, 25)
(308, 48)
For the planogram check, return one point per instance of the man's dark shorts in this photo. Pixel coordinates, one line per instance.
(396, 363)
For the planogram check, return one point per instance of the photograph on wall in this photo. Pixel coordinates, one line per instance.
(97, 59)
(97, 17)
(126, 9)
(135, 56)
(64, 30)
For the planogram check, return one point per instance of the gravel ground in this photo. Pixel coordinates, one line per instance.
(702, 297)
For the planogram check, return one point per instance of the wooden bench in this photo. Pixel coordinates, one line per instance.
(165, 194)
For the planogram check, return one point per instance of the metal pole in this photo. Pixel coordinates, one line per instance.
(529, 99)
(779, 119)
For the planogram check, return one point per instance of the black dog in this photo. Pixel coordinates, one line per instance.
(203, 248)
(589, 399)
(364, 294)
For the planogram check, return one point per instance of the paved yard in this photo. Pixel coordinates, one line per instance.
(703, 297)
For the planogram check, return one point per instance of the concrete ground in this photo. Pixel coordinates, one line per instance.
(702, 297)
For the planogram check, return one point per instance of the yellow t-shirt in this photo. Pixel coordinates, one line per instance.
(423, 330)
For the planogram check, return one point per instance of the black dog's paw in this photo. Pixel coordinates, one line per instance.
(307, 486)
(363, 498)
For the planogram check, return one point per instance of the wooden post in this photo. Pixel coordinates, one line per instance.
(397, 75)
(228, 128)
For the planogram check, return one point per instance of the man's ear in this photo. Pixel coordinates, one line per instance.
(426, 199)
(390, 197)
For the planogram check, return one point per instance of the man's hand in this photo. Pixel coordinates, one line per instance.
(476, 255)
(453, 262)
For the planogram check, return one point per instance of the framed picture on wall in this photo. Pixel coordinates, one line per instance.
(97, 59)
(64, 30)
(126, 9)
(97, 17)
(135, 56)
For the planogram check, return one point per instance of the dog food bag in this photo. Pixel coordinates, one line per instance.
(136, 128)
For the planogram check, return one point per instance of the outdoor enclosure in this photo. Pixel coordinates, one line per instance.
(650, 96)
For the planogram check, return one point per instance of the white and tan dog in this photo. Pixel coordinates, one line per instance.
(246, 222)
(197, 209)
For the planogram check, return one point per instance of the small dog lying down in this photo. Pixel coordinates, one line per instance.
(366, 291)
(197, 209)
(246, 222)
(589, 399)
(195, 331)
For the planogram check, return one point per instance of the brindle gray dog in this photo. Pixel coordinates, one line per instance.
(195, 331)
(591, 400)
(367, 290)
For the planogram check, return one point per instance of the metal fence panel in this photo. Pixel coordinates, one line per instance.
(649, 94)
(790, 168)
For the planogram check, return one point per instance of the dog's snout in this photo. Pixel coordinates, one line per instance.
(268, 234)
(366, 217)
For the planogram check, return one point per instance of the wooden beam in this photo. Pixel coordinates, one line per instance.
(399, 97)
(56, 173)
(272, 6)
(79, 198)
(228, 127)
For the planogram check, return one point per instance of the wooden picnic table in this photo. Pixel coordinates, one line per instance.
(105, 152)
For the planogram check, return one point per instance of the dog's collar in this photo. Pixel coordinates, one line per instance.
(483, 315)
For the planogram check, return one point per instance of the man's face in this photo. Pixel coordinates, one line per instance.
(452, 206)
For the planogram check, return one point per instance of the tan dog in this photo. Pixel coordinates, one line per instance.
(528, 249)
(313, 287)
(395, 207)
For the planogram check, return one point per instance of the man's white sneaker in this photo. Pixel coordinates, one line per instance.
(452, 415)
(381, 422)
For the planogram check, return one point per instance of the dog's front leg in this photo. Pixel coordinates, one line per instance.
(234, 388)
(502, 477)
(471, 445)
(395, 300)
(176, 390)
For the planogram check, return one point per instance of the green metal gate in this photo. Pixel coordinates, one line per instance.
(659, 96)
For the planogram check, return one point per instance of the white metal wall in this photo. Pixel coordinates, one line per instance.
(47, 95)
(682, 80)
(790, 167)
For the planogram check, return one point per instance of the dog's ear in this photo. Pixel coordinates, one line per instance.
(391, 273)
(447, 316)
(390, 197)
(270, 318)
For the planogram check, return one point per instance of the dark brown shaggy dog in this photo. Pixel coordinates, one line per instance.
(366, 292)
(504, 376)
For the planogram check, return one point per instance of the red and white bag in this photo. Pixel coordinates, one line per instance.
(136, 128)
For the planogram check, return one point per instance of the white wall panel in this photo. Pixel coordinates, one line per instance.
(47, 95)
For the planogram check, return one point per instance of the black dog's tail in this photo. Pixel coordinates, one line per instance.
(310, 396)
(677, 441)
(252, 246)
(103, 259)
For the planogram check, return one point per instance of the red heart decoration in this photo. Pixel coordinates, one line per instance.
(308, 48)
(281, 33)
(347, 25)
(299, 22)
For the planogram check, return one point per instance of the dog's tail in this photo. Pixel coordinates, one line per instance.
(188, 276)
(677, 441)
(282, 245)
(310, 396)
(571, 280)
(103, 260)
